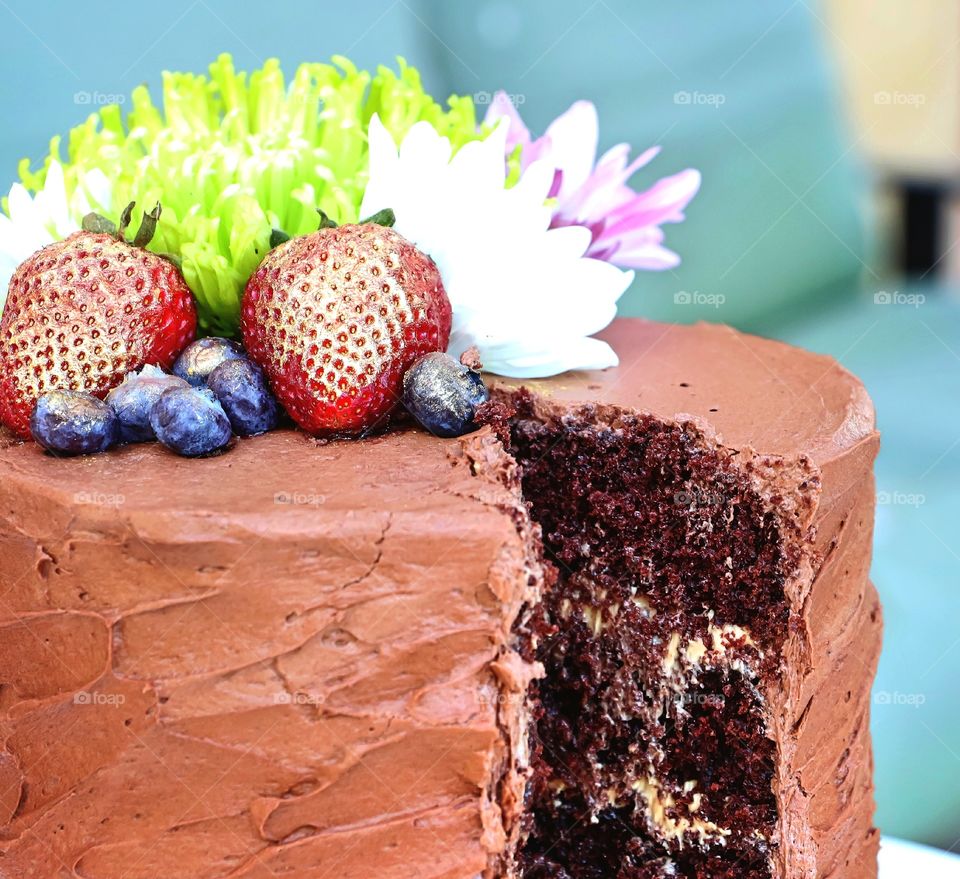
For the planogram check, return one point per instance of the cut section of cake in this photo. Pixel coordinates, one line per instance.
(635, 640)
(712, 636)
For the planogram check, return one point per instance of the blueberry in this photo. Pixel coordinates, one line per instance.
(73, 423)
(202, 357)
(133, 401)
(241, 388)
(443, 394)
(190, 421)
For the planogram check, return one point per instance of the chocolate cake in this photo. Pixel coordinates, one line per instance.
(627, 633)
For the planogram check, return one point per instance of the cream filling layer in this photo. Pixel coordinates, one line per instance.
(721, 642)
(661, 807)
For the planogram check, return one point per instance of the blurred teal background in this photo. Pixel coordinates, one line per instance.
(778, 241)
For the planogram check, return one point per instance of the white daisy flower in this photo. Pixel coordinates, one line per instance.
(523, 293)
(36, 221)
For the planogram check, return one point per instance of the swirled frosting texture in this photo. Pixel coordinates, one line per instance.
(285, 660)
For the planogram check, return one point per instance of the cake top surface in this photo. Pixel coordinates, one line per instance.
(284, 470)
(749, 391)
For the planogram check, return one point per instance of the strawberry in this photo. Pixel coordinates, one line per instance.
(335, 319)
(85, 311)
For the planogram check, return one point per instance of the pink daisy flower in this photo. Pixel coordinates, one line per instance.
(624, 224)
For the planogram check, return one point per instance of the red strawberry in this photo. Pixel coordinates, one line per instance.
(85, 311)
(337, 317)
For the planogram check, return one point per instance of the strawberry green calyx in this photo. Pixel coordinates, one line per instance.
(97, 223)
(278, 237)
(148, 227)
(234, 155)
(325, 221)
(386, 218)
(126, 217)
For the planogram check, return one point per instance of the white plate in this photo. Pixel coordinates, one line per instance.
(900, 859)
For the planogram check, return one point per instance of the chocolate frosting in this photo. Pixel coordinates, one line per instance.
(295, 658)
(273, 660)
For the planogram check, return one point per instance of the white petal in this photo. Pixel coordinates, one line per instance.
(573, 145)
(566, 355)
(51, 202)
(98, 189)
(20, 203)
(28, 232)
(383, 164)
(424, 148)
(478, 163)
(8, 266)
(570, 239)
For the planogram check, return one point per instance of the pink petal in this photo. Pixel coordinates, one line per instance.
(501, 106)
(637, 249)
(630, 239)
(661, 203)
(617, 156)
(537, 150)
(624, 225)
(605, 191)
(557, 183)
(651, 257)
(598, 194)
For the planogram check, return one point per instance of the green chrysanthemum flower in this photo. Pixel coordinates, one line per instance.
(232, 156)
